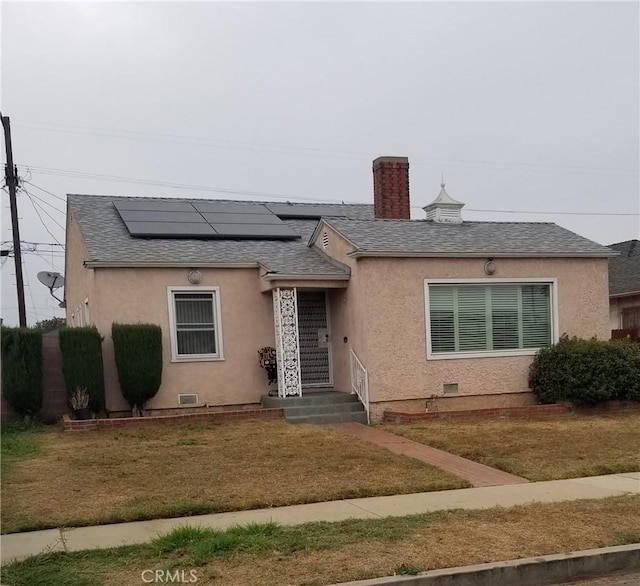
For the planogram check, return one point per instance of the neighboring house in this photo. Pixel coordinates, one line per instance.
(438, 307)
(624, 290)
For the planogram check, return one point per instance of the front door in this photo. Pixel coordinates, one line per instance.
(313, 334)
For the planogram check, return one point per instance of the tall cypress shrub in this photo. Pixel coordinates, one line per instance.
(82, 365)
(22, 369)
(138, 352)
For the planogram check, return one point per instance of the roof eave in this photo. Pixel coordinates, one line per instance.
(302, 277)
(425, 254)
(104, 264)
(628, 294)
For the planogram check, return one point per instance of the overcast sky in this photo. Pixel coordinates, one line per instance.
(525, 107)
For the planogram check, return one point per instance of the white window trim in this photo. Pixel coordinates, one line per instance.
(175, 357)
(553, 282)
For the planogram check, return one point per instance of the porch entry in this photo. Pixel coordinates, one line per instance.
(313, 336)
(303, 347)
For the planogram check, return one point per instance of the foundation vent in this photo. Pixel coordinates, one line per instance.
(325, 239)
(449, 388)
(187, 399)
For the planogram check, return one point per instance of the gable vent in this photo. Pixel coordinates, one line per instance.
(187, 399)
(325, 239)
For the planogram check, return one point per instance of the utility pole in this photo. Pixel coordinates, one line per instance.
(12, 182)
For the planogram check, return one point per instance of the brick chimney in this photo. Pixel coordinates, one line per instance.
(391, 188)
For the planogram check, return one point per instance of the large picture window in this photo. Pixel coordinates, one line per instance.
(195, 323)
(488, 319)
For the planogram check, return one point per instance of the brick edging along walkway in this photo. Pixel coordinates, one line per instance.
(213, 416)
(477, 474)
(515, 412)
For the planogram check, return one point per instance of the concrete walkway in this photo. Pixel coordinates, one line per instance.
(476, 474)
(21, 545)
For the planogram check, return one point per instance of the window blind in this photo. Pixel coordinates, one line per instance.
(195, 326)
(472, 318)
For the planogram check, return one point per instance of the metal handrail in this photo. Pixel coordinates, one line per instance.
(360, 381)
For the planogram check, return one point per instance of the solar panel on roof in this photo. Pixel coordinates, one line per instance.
(241, 218)
(154, 205)
(301, 210)
(254, 231)
(171, 229)
(202, 220)
(156, 216)
(230, 208)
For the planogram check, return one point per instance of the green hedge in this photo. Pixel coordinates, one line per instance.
(22, 369)
(138, 352)
(586, 371)
(82, 363)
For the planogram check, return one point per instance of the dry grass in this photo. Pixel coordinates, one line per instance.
(124, 475)
(539, 449)
(323, 553)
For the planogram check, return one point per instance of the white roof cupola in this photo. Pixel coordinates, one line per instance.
(444, 208)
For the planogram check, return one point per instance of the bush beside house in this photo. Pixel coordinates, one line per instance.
(22, 369)
(138, 353)
(82, 365)
(586, 371)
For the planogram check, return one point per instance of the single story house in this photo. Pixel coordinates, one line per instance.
(353, 297)
(624, 290)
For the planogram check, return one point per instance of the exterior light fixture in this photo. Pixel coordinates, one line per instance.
(490, 267)
(194, 277)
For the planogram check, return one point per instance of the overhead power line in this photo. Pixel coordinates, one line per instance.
(46, 203)
(418, 158)
(121, 179)
(33, 203)
(62, 199)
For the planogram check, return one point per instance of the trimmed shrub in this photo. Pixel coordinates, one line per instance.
(138, 352)
(82, 365)
(22, 369)
(586, 371)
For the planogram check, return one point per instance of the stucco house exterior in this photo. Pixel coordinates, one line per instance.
(624, 290)
(353, 297)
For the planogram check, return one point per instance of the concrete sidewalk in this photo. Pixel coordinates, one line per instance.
(21, 545)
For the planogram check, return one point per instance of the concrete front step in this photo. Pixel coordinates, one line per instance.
(320, 398)
(329, 418)
(324, 407)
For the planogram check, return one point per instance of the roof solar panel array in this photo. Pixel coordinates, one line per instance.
(305, 211)
(162, 219)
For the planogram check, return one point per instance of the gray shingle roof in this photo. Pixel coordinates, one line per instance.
(624, 270)
(491, 238)
(108, 240)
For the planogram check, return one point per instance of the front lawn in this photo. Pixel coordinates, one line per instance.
(539, 449)
(326, 553)
(52, 478)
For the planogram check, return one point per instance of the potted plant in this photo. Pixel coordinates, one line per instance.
(268, 362)
(79, 400)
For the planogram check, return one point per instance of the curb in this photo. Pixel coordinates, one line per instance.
(589, 563)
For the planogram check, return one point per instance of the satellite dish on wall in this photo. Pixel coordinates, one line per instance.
(52, 281)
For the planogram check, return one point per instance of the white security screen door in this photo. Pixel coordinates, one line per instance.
(313, 333)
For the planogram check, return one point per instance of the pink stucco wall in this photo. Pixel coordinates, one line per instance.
(140, 295)
(396, 331)
(79, 281)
